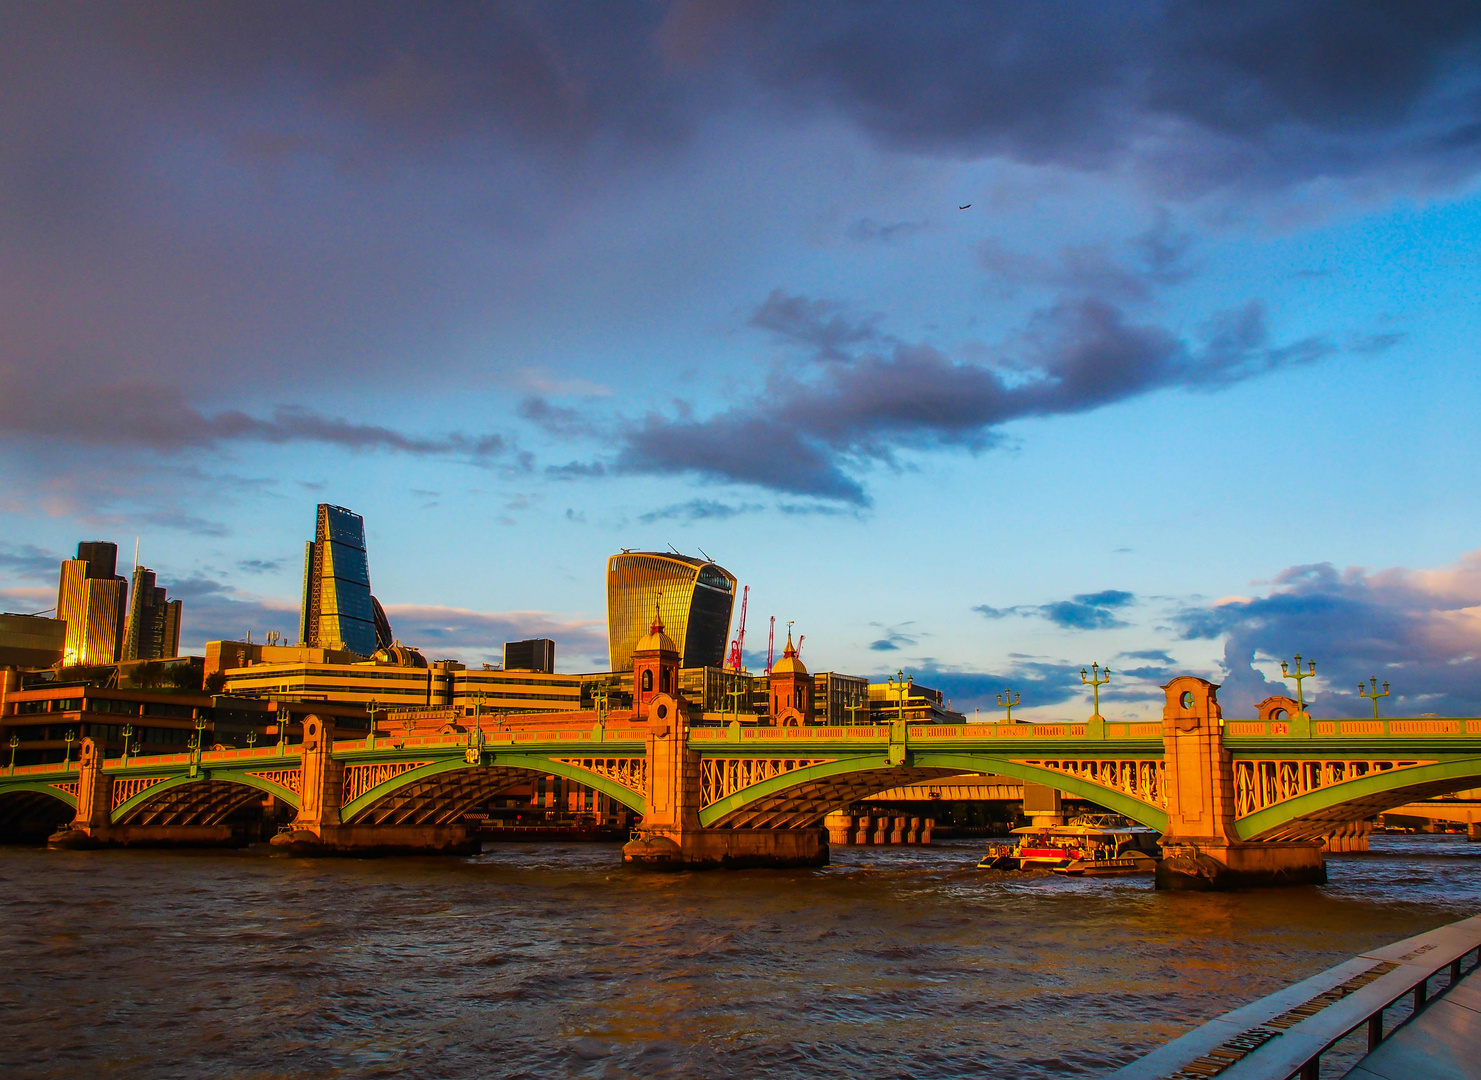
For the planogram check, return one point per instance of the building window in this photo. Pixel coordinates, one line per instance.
(647, 680)
(665, 676)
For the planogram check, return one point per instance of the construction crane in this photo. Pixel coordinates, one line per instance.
(737, 657)
(770, 645)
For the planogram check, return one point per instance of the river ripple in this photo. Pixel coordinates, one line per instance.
(553, 960)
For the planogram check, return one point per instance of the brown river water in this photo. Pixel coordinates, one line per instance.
(553, 961)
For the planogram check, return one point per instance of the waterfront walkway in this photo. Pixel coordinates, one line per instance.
(1285, 1034)
(1442, 1043)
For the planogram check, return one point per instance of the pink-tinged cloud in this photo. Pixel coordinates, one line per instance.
(1419, 630)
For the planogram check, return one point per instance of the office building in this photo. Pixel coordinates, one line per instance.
(537, 654)
(152, 629)
(338, 612)
(31, 641)
(888, 703)
(694, 598)
(91, 601)
(840, 699)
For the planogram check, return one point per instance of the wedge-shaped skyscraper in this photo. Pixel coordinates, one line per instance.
(694, 598)
(338, 611)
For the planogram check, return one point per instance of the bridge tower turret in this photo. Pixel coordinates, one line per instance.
(655, 667)
(1201, 848)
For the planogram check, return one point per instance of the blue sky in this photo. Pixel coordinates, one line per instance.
(1189, 387)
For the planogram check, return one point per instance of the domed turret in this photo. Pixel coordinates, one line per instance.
(398, 655)
(655, 665)
(791, 688)
(791, 662)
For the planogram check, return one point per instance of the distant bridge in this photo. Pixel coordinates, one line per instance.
(1192, 775)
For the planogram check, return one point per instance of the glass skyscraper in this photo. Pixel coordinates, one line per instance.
(152, 630)
(91, 599)
(338, 611)
(694, 598)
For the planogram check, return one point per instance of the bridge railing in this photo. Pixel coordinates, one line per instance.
(1285, 1034)
(1420, 725)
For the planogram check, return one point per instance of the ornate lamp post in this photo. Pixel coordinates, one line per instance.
(854, 706)
(251, 739)
(599, 702)
(1006, 700)
(735, 692)
(15, 741)
(283, 717)
(902, 689)
(1375, 695)
(69, 739)
(127, 733)
(1096, 681)
(1298, 675)
(372, 709)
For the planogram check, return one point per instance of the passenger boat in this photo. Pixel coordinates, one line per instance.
(1089, 846)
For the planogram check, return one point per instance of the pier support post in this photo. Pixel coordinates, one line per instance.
(671, 837)
(318, 830)
(1200, 849)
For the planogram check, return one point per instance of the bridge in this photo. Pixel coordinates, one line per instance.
(1238, 802)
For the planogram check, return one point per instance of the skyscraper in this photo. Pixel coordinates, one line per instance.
(338, 611)
(152, 631)
(90, 599)
(694, 598)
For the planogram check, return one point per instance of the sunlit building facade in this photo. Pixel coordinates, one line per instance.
(152, 630)
(338, 611)
(694, 598)
(91, 600)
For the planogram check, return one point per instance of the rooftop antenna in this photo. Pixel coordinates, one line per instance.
(136, 556)
(705, 553)
(771, 645)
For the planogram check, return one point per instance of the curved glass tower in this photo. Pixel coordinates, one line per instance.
(338, 611)
(694, 598)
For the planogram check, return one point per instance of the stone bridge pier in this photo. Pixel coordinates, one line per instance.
(671, 836)
(1200, 847)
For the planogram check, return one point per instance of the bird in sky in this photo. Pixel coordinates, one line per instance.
(967, 207)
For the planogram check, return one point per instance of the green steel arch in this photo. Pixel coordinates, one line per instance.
(143, 798)
(948, 764)
(39, 787)
(1364, 796)
(531, 762)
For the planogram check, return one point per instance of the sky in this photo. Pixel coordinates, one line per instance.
(983, 342)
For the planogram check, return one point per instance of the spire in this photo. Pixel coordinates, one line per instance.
(789, 651)
(657, 627)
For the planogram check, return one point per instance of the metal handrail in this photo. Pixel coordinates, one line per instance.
(1285, 1034)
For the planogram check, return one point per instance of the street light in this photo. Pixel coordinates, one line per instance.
(372, 709)
(1375, 695)
(1299, 675)
(69, 739)
(1006, 700)
(127, 733)
(902, 688)
(15, 740)
(1096, 682)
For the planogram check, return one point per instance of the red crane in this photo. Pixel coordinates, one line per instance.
(738, 647)
(770, 645)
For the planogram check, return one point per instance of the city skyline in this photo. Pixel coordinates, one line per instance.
(1186, 387)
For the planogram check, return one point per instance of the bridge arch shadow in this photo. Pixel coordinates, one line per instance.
(1317, 813)
(440, 793)
(32, 812)
(803, 797)
(201, 800)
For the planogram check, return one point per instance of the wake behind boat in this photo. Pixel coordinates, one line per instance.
(1090, 846)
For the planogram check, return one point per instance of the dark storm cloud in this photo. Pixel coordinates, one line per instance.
(1087, 611)
(806, 430)
(1416, 629)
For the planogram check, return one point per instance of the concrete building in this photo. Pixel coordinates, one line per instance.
(536, 654)
(839, 699)
(338, 612)
(31, 641)
(694, 597)
(152, 629)
(91, 600)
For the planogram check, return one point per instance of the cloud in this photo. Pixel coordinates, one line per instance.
(260, 566)
(1087, 611)
(140, 414)
(478, 636)
(806, 433)
(699, 510)
(576, 470)
(867, 229)
(1155, 258)
(1418, 629)
(27, 562)
(556, 420)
